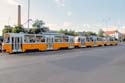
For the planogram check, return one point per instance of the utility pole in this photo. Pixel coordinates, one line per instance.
(28, 15)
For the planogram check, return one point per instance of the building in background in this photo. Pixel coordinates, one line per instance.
(113, 33)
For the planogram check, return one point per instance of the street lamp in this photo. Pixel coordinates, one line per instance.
(28, 14)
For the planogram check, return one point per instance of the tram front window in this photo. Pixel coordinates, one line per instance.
(7, 40)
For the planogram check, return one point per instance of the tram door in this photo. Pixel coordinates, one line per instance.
(50, 41)
(94, 41)
(71, 41)
(83, 42)
(17, 44)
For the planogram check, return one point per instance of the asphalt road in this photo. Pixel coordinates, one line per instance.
(86, 65)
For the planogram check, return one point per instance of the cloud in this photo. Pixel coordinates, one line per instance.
(91, 27)
(51, 25)
(60, 2)
(64, 25)
(67, 24)
(110, 28)
(69, 13)
(86, 25)
(82, 27)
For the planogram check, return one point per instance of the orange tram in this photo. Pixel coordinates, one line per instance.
(21, 42)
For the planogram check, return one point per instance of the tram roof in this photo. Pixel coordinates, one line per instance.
(45, 33)
(14, 33)
(51, 33)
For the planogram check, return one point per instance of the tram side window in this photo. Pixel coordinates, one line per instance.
(106, 40)
(94, 40)
(26, 39)
(98, 39)
(83, 40)
(101, 39)
(32, 40)
(111, 39)
(91, 39)
(29, 39)
(58, 39)
(40, 39)
(116, 39)
(87, 39)
(43, 39)
(65, 39)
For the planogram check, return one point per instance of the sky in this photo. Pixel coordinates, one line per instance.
(78, 15)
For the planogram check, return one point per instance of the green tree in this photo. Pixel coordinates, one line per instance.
(34, 31)
(18, 29)
(100, 33)
(89, 33)
(39, 27)
(38, 24)
(45, 29)
(7, 29)
(63, 31)
(68, 32)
